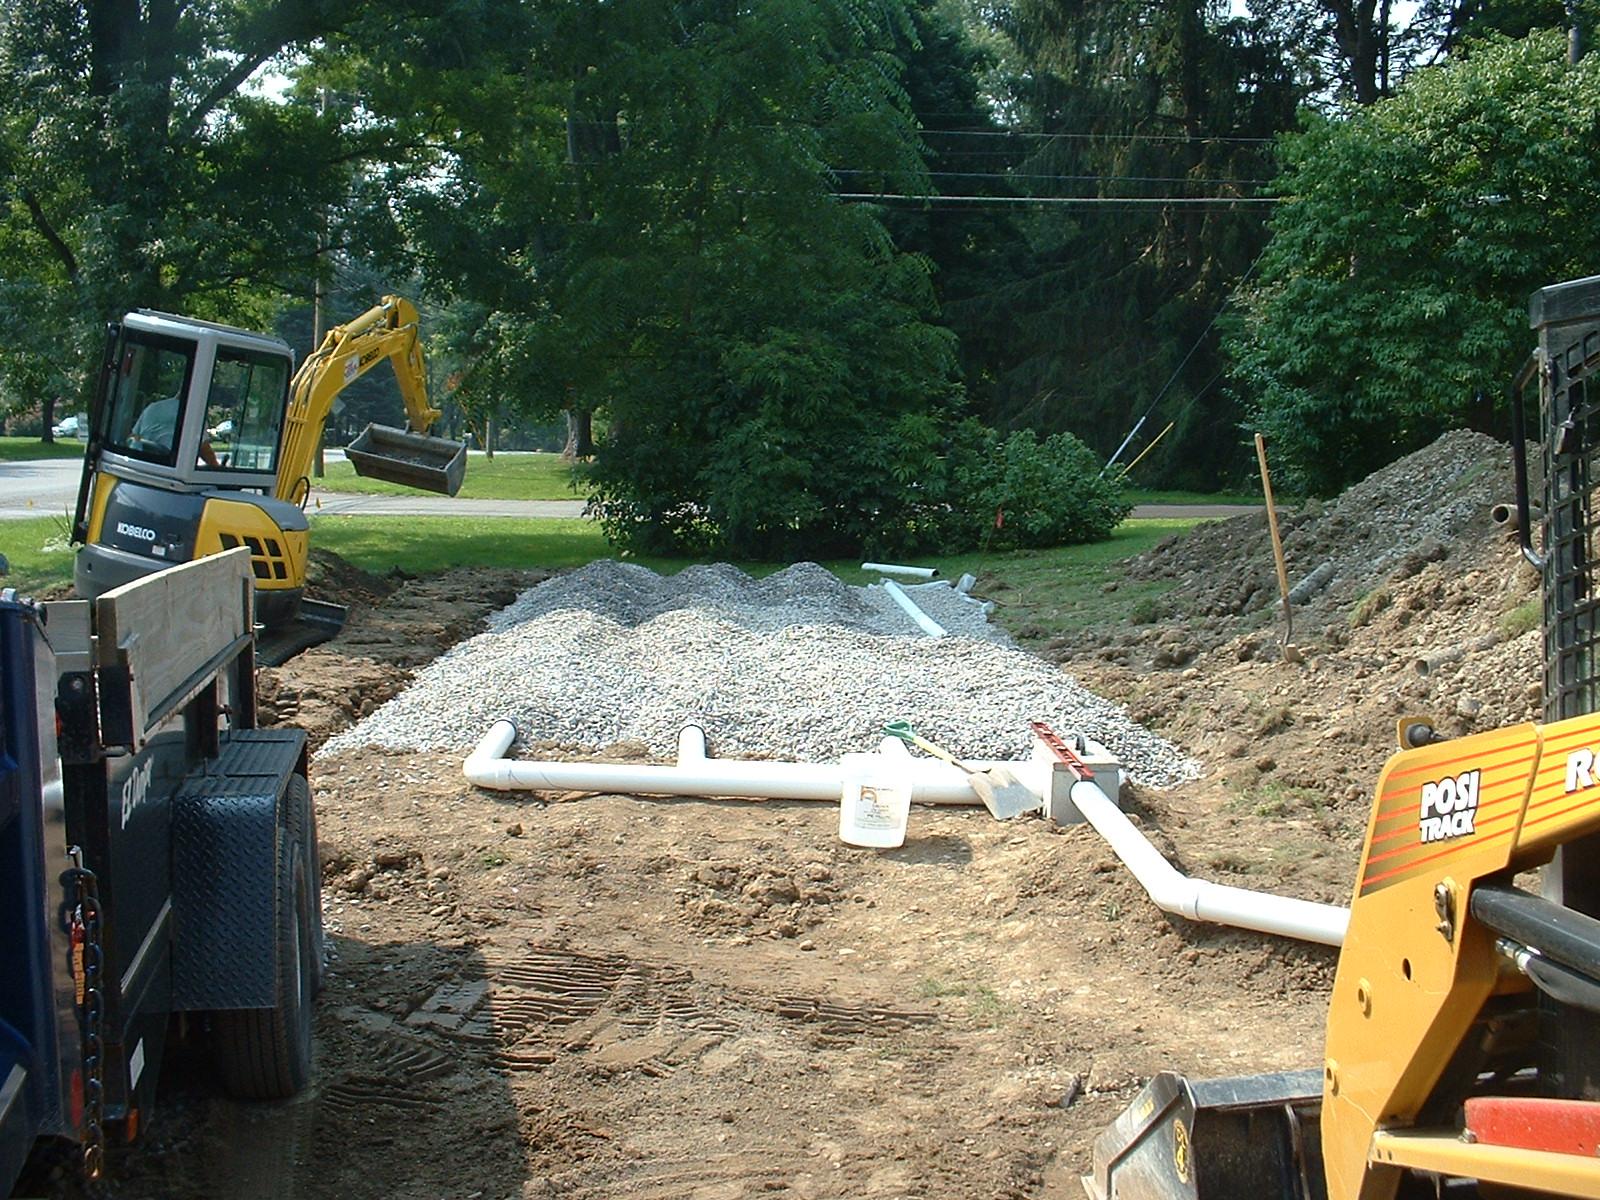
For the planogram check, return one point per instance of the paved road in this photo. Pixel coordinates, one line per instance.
(1142, 511)
(47, 487)
(425, 504)
(39, 488)
(50, 486)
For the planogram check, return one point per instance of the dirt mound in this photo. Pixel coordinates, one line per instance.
(1394, 521)
(396, 625)
(1427, 610)
(330, 577)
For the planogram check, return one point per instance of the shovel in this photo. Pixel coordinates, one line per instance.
(999, 790)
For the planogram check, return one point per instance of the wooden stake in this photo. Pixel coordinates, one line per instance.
(1289, 651)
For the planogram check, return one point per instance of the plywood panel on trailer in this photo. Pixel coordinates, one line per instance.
(167, 626)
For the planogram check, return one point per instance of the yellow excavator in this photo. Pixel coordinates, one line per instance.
(1462, 1051)
(202, 437)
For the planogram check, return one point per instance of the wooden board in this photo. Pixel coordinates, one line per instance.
(167, 626)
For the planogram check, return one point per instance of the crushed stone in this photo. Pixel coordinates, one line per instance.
(795, 666)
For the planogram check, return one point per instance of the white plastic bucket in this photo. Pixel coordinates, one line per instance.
(874, 803)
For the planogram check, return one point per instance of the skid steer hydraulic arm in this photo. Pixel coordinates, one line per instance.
(1519, 459)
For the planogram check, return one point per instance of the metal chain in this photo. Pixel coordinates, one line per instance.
(87, 961)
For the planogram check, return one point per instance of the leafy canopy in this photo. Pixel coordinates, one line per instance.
(1395, 287)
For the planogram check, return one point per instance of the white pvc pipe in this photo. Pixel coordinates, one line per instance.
(897, 569)
(932, 781)
(1199, 900)
(924, 622)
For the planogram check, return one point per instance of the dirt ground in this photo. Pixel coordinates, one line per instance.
(605, 996)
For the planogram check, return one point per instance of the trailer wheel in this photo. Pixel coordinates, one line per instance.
(303, 827)
(265, 1053)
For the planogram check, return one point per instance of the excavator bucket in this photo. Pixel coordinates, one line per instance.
(413, 459)
(1254, 1136)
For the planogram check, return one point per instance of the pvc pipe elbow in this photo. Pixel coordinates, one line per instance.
(487, 765)
(1201, 900)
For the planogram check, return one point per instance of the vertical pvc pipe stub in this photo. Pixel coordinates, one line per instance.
(691, 744)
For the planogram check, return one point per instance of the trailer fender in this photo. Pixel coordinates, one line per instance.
(227, 825)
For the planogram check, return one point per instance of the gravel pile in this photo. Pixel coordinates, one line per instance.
(802, 594)
(796, 666)
(1414, 511)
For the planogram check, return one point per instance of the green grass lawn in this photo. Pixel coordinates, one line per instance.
(505, 477)
(22, 449)
(1047, 593)
(1039, 593)
(1153, 496)
(427, 545)
(41, 559)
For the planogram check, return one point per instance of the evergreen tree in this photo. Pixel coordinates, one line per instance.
(1156, 116)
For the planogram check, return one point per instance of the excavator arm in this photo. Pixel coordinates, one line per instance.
(386, 331)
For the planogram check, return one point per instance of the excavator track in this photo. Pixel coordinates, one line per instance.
(317, 623)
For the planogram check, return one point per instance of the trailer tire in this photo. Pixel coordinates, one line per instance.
(265, 1053)
(303, 827)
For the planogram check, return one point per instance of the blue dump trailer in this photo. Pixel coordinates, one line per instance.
(158, 858)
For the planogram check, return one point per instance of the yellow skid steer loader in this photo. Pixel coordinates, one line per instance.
(1462, 1055)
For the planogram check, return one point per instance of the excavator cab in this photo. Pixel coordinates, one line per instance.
(202, 438)
(184, 453)
(1462, 1051)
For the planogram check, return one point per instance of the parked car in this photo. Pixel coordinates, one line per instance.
(72, 427)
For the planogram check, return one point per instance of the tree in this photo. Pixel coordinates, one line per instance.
(646, 217)
(132, 171)
(137, 168)
(1103, 307)
(1360, 51)
(971, 248)
(1412, 233)
(774, 384)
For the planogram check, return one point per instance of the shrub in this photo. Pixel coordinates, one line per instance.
(1024, 493)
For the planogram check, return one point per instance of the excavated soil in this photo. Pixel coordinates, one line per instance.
(1428, 610)
(605, 996)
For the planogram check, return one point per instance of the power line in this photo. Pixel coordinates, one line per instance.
(1092, 137)
(1006, 177)
(937, 198)
(1062, 136)
(1024, 156)
(1133, 200)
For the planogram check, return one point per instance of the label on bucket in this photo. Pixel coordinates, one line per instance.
(873, 812)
